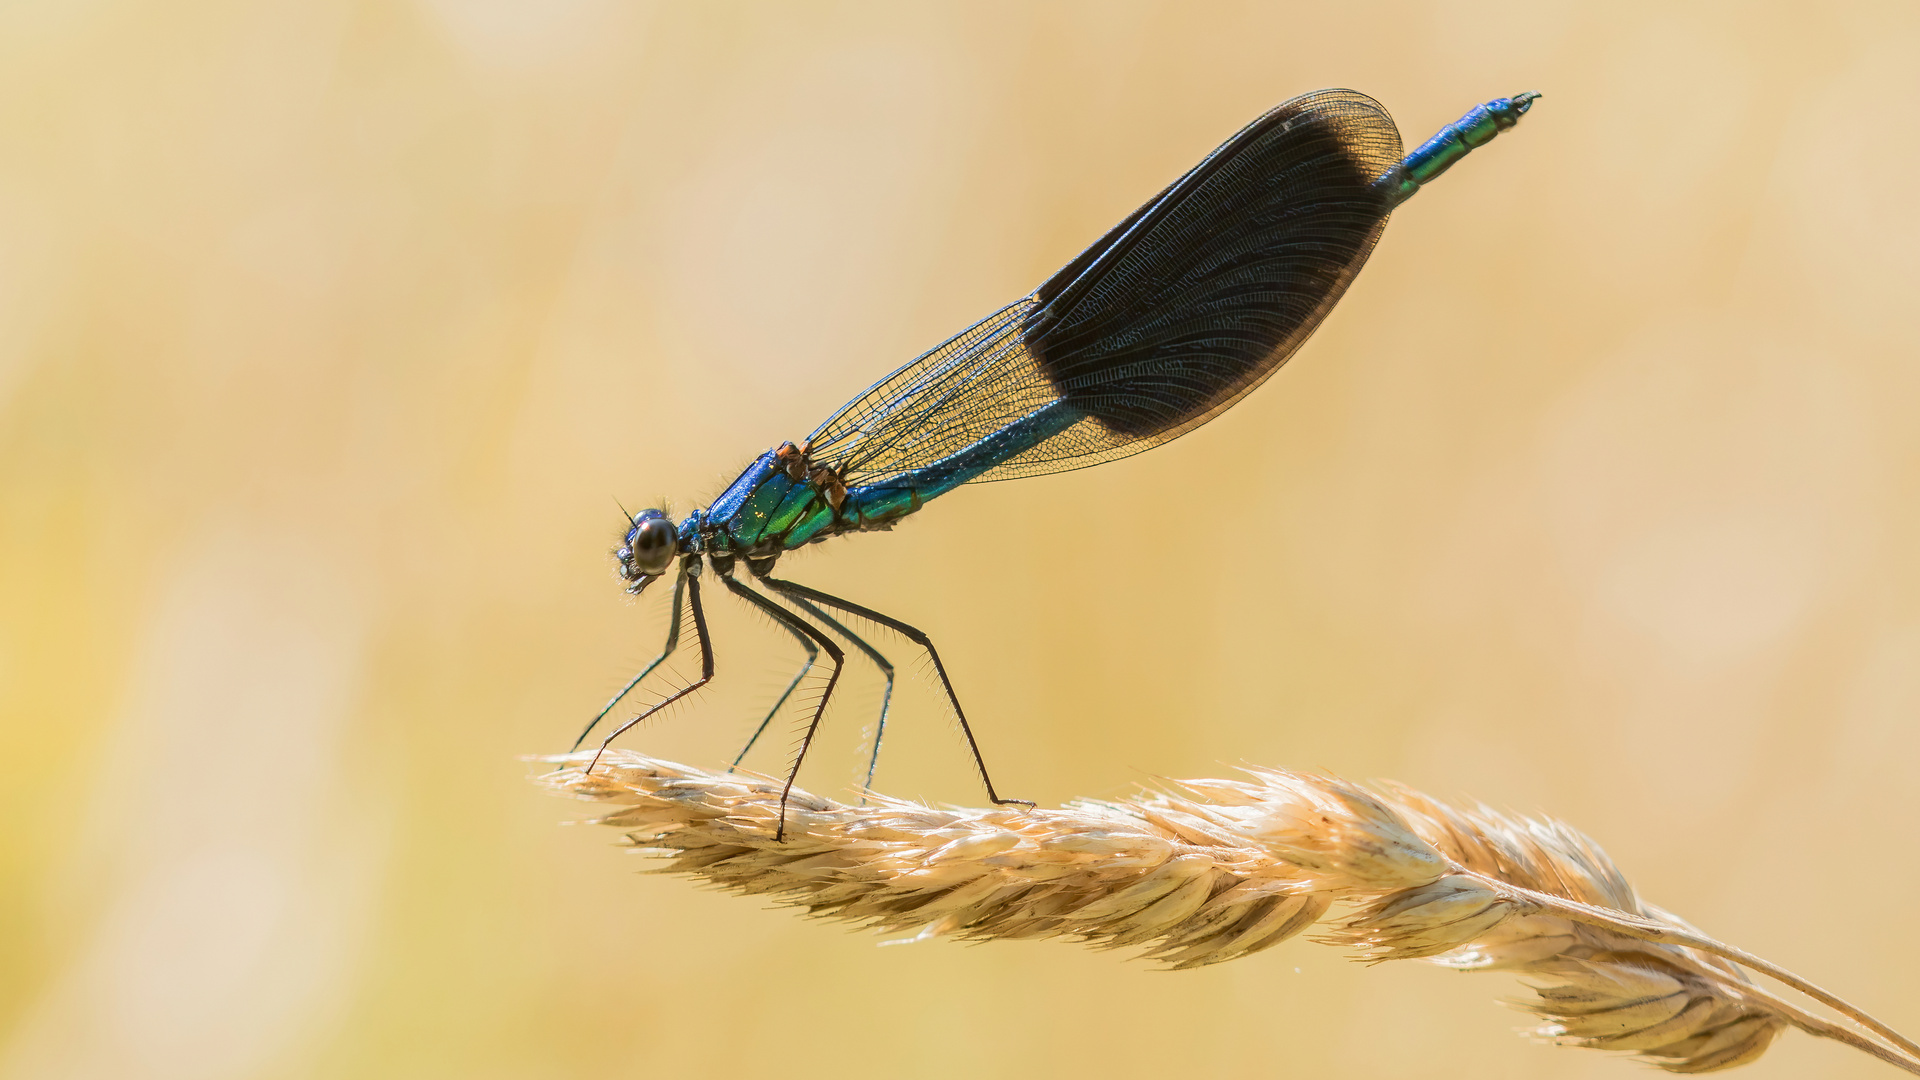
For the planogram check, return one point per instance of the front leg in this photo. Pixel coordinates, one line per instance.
(692, 578)
(666, 650)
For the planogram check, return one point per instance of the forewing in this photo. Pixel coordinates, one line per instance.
(1169, 319)
(969, 387)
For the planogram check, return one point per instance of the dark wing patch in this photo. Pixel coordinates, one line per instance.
(1178, 316)
(1170, 318)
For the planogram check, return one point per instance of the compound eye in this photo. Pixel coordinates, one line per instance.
(651, 543)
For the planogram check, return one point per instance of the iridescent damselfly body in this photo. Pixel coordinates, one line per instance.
(1164, 323)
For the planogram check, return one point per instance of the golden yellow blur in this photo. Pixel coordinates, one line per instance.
(330, 333)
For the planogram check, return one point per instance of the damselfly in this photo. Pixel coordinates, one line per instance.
(1160, 326)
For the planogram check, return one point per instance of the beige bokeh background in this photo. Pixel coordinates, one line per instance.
(329, 333)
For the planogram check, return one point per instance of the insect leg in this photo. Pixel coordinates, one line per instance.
(834, 653)
(879, 661)
(691, 576)
(813, 654)
(666, 650)
(913, 634)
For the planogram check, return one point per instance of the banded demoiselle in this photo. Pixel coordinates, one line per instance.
(1164, 323)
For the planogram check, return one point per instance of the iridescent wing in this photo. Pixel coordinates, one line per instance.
(1168, 320)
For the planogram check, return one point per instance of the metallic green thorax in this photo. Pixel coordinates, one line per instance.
(767, 511)
(1454, 142)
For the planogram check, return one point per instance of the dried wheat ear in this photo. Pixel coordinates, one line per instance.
(1213, 870)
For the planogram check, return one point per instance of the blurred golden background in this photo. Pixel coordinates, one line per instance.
(330, 332)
